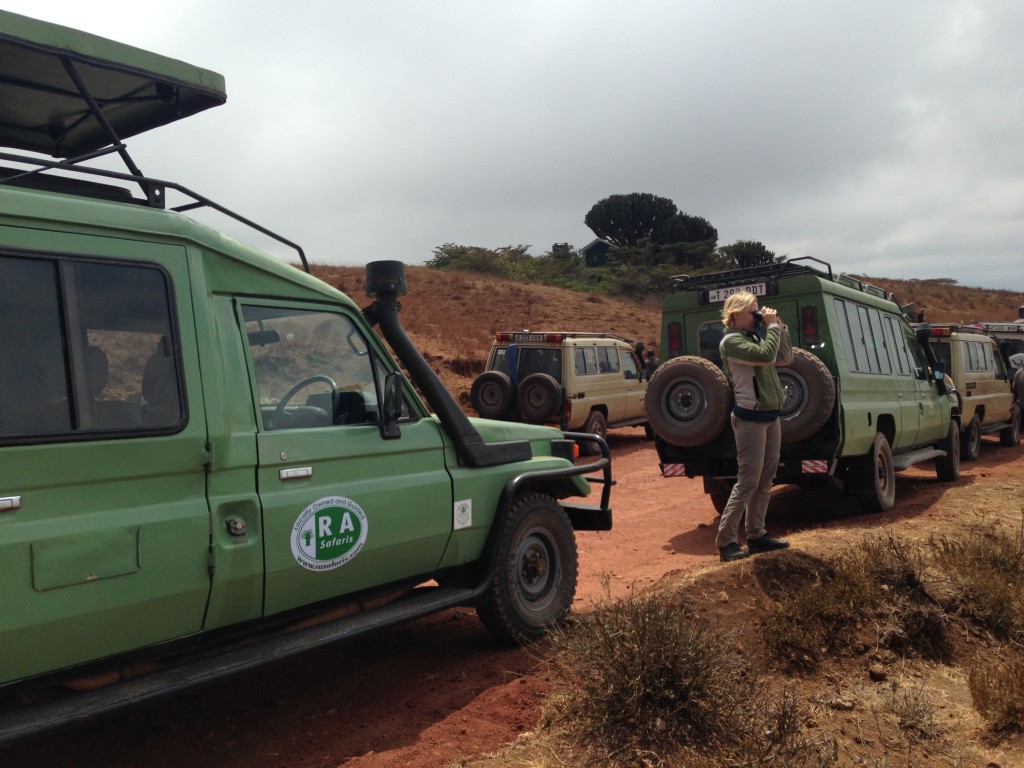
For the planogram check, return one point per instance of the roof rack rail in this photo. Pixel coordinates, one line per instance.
(787, 268)
(156, 191)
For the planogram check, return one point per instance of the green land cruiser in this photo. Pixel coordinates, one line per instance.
(865, 396)
(209, 458)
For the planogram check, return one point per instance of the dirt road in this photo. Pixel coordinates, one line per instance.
(425, 694)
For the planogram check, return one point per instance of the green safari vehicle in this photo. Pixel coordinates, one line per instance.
(201, 444)
(865, 395)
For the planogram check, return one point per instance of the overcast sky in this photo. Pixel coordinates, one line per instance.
(886, 138)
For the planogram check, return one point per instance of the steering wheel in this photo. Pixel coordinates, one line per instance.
(298, 388)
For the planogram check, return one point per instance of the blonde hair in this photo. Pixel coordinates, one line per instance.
(737, 304)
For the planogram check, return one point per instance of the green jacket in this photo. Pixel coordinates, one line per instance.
(750, 365)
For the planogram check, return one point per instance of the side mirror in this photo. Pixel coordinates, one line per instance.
(391, 408)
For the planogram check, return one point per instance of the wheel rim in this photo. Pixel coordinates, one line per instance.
(536, 565)
(883, 474)
(685, 401)
(794, 386)
(490, 395)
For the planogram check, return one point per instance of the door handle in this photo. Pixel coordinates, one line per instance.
(9, 503)
(296, 473)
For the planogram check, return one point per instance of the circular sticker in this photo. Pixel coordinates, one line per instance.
(328, 533)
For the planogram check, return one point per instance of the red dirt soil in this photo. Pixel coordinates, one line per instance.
(431, 692)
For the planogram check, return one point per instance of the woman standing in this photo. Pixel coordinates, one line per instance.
(758, 398)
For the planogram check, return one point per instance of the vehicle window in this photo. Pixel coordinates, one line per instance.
(607, 360)
(880, 346)
(709, 336)
(540, 360)
(944, 353)
(579, 362)
(87, 348)
(852, 333)
(589, 359)
(917, 358)
(899, 346)
(629, 365)
(500, 362)
(312, 369)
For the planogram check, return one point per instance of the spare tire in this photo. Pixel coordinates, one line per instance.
(491, 394)
(688, 401)
(539, 397)
(810, 396)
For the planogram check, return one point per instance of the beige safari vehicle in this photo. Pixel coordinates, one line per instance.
(974, 361)
(580, 381)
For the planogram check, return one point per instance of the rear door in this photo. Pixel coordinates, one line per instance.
(104, 526)
(343, 508)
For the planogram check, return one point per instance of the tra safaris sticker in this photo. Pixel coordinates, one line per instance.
(328, 533)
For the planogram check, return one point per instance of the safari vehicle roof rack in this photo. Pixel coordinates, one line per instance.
(773, 271)
(77, 96)
(569, 335)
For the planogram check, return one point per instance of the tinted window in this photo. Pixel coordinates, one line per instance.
(629, 365)
(607, 360)
(87, 347)
(709, 336)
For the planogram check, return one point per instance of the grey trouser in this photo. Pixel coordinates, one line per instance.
(757, 454)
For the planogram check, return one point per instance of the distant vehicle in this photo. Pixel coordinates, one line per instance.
(208, 458)
(578, 381)
(973, 360)
(865, 395)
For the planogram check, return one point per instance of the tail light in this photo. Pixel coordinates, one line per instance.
(809, 326)
(675, 339)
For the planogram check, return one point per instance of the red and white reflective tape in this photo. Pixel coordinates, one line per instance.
(673, 470)
(814, 467)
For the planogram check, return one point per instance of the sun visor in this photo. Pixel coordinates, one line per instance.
(53, 79)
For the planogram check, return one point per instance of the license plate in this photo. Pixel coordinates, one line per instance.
(718, 295)
(527, 337)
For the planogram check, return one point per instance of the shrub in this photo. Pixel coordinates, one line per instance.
(987, 570)
(642, 679)
(997, 690)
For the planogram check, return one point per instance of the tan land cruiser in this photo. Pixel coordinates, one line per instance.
(974, 362)
(580, 381)
(1010, 337)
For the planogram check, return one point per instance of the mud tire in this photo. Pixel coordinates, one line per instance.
(947, 468)
(539, 397)
(810, 396)
(970, 441)
(1010, 436)
(491, 394)
(688, 401)
(536, 567)
(880, 477)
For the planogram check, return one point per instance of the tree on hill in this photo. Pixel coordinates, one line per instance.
(650, 231)
(630, 220)
(749, 253)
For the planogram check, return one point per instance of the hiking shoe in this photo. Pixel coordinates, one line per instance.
(766, 544)
(731, 552)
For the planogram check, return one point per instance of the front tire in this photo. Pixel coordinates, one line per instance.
(970, 443)
(1010, 436)
(534, 581)
(880, 479)
(947, 468)
(596, 425)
